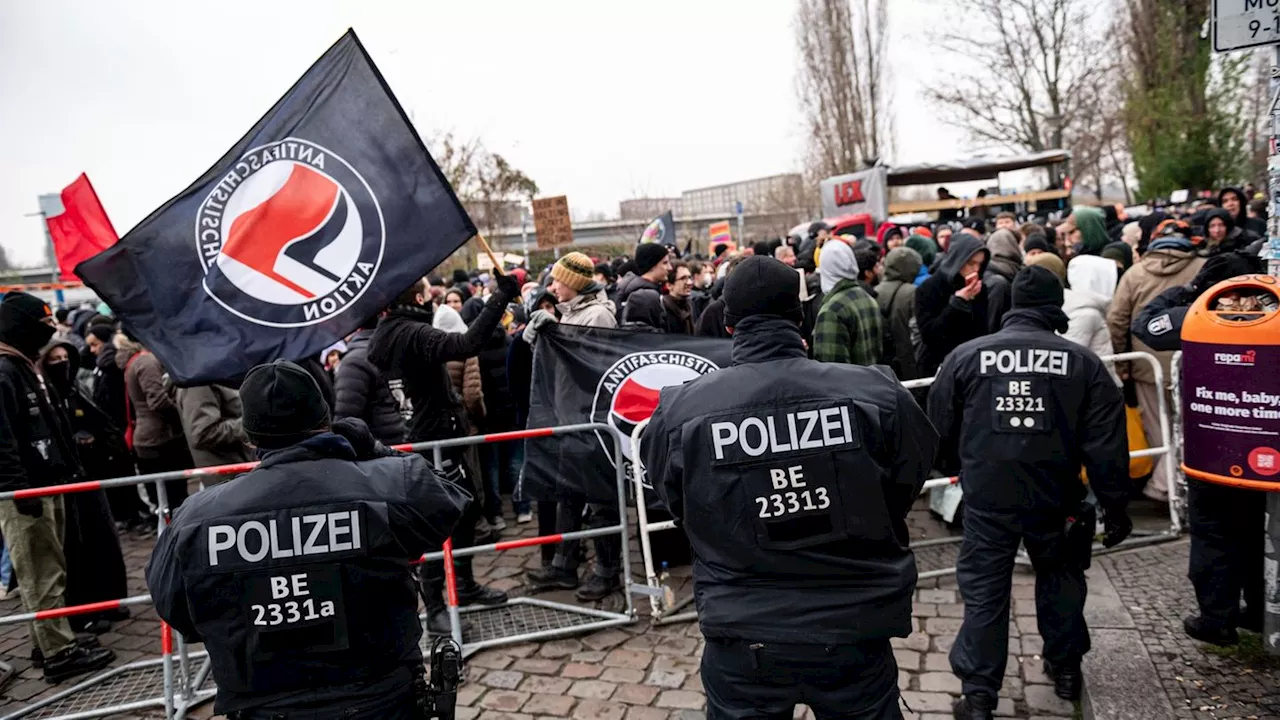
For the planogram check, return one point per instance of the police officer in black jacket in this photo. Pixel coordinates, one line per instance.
(793, 479)
(1020, 412)
(413, 353)
(296, 575)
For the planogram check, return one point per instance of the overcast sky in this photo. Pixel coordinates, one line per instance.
(599, 101)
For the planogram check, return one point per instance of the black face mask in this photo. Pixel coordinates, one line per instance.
(58, 374)
(22, 332)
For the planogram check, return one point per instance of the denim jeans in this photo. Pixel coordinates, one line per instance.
(502, 463)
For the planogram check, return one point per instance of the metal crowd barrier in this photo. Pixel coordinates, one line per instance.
(131, 687)
(666, 608)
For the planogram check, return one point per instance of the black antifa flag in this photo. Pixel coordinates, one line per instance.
(662, 230)
(583, 374)
(324, 212)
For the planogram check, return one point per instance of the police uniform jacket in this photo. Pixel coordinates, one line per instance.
(793, 479)
(1021, 411)
(296, 575)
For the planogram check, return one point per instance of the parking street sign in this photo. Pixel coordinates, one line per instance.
(1239, 24)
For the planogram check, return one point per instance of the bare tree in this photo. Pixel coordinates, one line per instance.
(1035, 71)
(493, 192)
(841, 82)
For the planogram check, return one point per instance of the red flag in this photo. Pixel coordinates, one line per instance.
(78, 225)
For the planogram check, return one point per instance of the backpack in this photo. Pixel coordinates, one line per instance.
(888, 353)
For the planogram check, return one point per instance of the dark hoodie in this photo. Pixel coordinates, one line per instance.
(896, 297)
(1237, 239)
(945, 320)
(630, 284)
(1257, 226)
(644, 312)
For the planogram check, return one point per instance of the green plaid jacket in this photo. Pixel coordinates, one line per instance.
(848, 327)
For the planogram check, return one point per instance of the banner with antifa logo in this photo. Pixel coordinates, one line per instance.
(583, 374)
(316, 220)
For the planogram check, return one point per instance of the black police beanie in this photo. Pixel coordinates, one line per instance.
(282, 405)
(762, 286)
(1036, 286)
(648, 255)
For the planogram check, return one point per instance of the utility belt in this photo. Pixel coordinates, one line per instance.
(427, 698)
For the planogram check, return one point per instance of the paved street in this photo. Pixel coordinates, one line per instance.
(647, 672)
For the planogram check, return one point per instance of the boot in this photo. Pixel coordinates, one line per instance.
(550, 577)
(974, 707)
(598, 588)
(76, 660)
(88, 641)
(471, 592)
(1067, 680)
(1206, 631)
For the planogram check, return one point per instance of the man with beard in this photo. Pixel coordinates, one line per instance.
(36, 450)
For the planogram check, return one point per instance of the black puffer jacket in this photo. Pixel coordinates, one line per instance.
(363, 392)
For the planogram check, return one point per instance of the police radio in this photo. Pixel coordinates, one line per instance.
(438, 695)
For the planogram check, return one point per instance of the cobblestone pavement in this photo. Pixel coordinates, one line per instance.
(639, 671)
(1202, 682)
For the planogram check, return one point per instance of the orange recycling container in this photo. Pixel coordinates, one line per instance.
(1231, 384)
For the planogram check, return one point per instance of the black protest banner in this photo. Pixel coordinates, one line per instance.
(583, 374)
(313, 222)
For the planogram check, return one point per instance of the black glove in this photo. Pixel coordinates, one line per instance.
(508, 286)
(31, 507)
(356, 432)
(1116, 525)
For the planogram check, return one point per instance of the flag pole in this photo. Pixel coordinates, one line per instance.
(484, 245)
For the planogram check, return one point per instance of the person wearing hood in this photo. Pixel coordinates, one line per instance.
(644, 312)
(363, 391)
(1236, 204)
(802, 569)
(1119, 253)
(896, 297)
(889, 236)
(1088, 231)
(1006, 261)
(1170, 261)
(848, 328)
(408, 349)
(927, 249)
(155, 426)
(951, 306)
(1017, 433)
(652, 266)
(95, 564)
(37, 450)
(1223, 235)
(1091, 285)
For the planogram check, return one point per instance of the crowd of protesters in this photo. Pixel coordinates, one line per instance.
(453, 356)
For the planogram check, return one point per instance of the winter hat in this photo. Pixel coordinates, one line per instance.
(1037, 241)
(647, 255)
(1119, 251)
(61, 315)
(460, 277)
(925, 246)
(22, 323)
(282, 405)
(1052, 262)
(1036, 286)
(762, 286)
(576, 271)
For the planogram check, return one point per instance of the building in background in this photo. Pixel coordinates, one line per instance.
(647, 208)
(775, 193)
